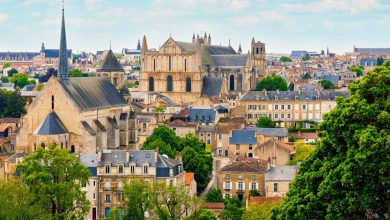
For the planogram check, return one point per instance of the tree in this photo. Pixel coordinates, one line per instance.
(164, 136)
(348, 175)
(54, 177)
(4, 79)
(77, 73)
(357, 69)
(302, 151)
(215, 195)
(285, 59)
(380, 61)
(260, 211)
(233, 210)
(21, 80)
(7, 65)
(136, 199)
(326, 84)
(12, 104)
(264, 122)
(254, 192)
(18, 203)
(172, 202)
(11, 72)
(306, 76)
(272, 83)
(202, 215)
(159, 109)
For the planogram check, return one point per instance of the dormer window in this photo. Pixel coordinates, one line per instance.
(132, 169)
(276, 97)
(120, 169)
(146, 169)
(107, 169)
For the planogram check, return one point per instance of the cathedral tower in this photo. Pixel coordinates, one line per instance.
(257, 62)
(63, 73)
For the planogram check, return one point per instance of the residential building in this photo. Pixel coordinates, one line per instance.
(91, 188)
(307, 137)
(274, 151)
(190, 183)
(182, 128)
(278, 180)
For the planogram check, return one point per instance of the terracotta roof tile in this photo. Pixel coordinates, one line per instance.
(279, 144)
(246, 164)
(214, 205)
(309, 135)
(188, 177)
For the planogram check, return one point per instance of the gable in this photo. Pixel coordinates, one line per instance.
(171, 47)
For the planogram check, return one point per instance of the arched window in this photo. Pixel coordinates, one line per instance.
(188, 84)
(169, 63)
(72, 149)
(52, 102)
(231, 83)
(257, 50)
(154, 64)
(151, 84)
(169, 83)
(62, 145)
(185, 65)
(43, 145)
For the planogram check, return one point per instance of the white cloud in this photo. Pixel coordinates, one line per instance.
(262, 17)
(3, 17)
(350, 6)
(92, 5)
(237, 5)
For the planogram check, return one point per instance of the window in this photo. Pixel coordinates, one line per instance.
(188, 84)
(84, 185)
(108, 198)
(240, 186)
(288, 115)
(132, 169)
(94, 183)
(169, 83)
(145, 169)
(208, 141)
(43, 145)
(275, 187)
(208, 134)
(237, 147)
(107, 168)
(276, 107)
(253, 177)
(250, 154)
(250, 116)
(231, 82)
(288, 106)
(93, 196)
(280, 138)
(220, 136)
(185, 65)
(276, 115)
(144, 125)
(120, 169)
(107, 212)
(154, 64)
(227, 185)
(52, 102)
(303, 107)
(72, 149)
(169, 63)
(253, 186)
(282, 106)
(227, 195)
(281, 115)
(151, 84)
(250, 146)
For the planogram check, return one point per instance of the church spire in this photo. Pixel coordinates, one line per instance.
(63, 73)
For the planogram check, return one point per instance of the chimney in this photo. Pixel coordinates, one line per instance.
(178, 158)
(156, 154)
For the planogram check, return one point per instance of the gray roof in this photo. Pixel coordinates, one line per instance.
(281, 173)
(201, 114)
(327, 95)
(89, 160)
(185, 46)
(207, 128)
(373, 51)
(212, 86)
(63, 72)
(165, 161)
(298, 53)
(273, 132)
(113, 157)
(208, 50)
(167, 100)
(139, 157)
(230, 60)
(111, 63)
(93, 92)
(245, 136)
(145, 118)
(52, 125)
(112, 122)
(332, 78)
(88, 128)
(99, 125)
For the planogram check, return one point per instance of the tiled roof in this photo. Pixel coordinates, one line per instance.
(307, 135)
(246, 164)
(237, 119)
(180, 123)
(225, 128)
(327, 95)
(110, 63)
(281, 173)
(273, 132)
(244, 136)
(278, 144)
(51, 125)
(3, 127)
(212, 86)
(188, 177)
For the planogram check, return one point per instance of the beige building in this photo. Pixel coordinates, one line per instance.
(289, 108)
(182, 128)
(278, 180)
(275, 152)
(191, 72)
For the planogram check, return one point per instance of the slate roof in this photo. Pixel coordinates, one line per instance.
(185, 46)
(15, 156)
(111, 63)
(55, 53)
(164, 161)
(88, 128)
(230, 60)
(281, 173)
(298, 53)
(373, 51)
(90, 161)
(327, 95)
(201, 114)
(18, 55)
(244, 136)
(52, 125)
(333, 78)
(273, 132)
(208, 50)
(212, 86)
(93, 92)
(113, 157)
(139, 157)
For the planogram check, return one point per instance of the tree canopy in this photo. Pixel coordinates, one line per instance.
(77, 73)
(272, 83)
(357, 69)
(260, 211)
(137, 199)
(21, 80)
(326, 84)
(348, 174)
(12, 104)
(54, 177)
(264, 122)
(11, 72)
(302, 151)
(214, 195)
(285, 59)
(7, 65)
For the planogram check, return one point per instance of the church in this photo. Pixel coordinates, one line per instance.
(193, 72)
(83, 115)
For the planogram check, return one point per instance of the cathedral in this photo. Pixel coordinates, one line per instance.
(83, 115)
(198, 70)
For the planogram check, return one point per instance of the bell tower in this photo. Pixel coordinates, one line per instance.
(257, 62)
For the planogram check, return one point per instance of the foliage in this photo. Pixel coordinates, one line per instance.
(326, 84)
(264, 122)
(164, 139)
(291, 138)
(285, 59)
(234, 210)
(39, 87)
(348, 175)
(12, 104)
(272, 83)
(18, 203)
(136, 68)
(11, 72)
(77, 73)
(7, 65)
(306, 76)
(21, 80)
(136, 199)
(45, 77)
(260, 211)
(254, 192)
(54, 177)
(159, 109)
(202, 215)
(302, 151)
(4, 79)
(380, 61)
(214, 195)
(132, 84)
(357, 69)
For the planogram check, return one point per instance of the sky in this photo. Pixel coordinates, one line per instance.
(283, 25)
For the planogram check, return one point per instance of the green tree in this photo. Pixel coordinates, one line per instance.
(21, 80)
(254, 192)
(54, 177)
(233, 210)
(12, 104)
(18, 203)
(11, 72)
(357, 69)
(7, 65)
(214, 195)
(260, 211)
(202, 215)
(264, 122)
(348, 175)
(285, 59)
(302, 151)
(306, 76)
(272, 83)
(326, 84)
(77, 73)
(380, 61)
(164, 136)
(4, 79)
(136, 199)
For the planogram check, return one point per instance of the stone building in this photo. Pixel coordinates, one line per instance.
(195, 71)
(278, 180)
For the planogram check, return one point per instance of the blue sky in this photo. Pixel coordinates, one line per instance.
(283, 25)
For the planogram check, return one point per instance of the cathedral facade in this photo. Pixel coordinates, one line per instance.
(197, 70)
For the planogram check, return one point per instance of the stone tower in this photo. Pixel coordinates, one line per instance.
(257, 58)
(112, 70)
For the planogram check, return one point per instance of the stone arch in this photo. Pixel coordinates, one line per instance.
(169, 83)
(188, 84)
(231, 82)
(151, 84)
(72, 149)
